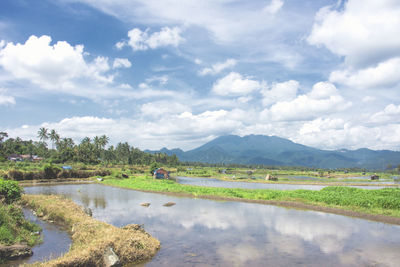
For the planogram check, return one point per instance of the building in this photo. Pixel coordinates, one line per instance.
(160, 174)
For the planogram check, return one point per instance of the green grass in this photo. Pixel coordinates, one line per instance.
(14, 228)
(384, 201)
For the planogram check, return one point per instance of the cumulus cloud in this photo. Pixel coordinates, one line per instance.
(235, 84)
(365, 31)
(141, 40)
(391, 114)
(322, 99)
(384, 74)
(59, 68)
(366, 34)
(121, 63)
(321, 134)
(218, 67)
(280, 92)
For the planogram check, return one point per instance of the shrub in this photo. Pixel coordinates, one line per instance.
(15, 175)
(10, 191)
(50, 171)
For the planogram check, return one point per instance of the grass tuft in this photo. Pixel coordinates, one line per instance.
(90, 237)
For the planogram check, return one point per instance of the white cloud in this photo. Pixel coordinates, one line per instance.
(140, 40)
(322, 99)
(366, 34)
(59, 67)
(198, 61)
(365, 31)
(391, 114)
(385, 74)
(6, 100)
(280, 92)
(218, 67)
(235, 84)
(121, 63)
(274, 6)
(161, 80)
(261, 33)
(328, 134)
(321, 125)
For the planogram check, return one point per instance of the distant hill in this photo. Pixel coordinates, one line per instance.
(272, 150)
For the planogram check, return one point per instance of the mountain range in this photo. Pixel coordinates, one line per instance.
(273, 150)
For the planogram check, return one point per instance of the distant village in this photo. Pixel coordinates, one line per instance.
(19, 157)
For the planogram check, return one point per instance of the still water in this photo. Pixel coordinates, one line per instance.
(210, 182)
(199, 232)
(55, 243)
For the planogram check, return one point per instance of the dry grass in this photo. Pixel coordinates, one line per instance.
(91, 238)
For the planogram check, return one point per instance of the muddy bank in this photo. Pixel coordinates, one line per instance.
(92, 241)
(55, 181)
(13, 252)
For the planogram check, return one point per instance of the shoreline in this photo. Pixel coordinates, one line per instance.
(93, 241)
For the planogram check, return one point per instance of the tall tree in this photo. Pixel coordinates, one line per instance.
(54, 137)
(43, 134)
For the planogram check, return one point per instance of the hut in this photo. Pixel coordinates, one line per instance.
(374, 177)
(160, 174)
(271, 178)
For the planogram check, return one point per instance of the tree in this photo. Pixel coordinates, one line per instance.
(54, 137)
(3, 135)
(43, 134)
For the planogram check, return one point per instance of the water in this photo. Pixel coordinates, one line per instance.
(55, 243)
(199, 232)
(209, 182)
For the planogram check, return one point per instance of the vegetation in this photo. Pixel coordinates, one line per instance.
(88, 151)
(13, 227)
(91, 238)
(383, 201)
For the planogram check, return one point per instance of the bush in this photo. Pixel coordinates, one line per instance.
(10, 191)
(51, 172)
(15, 175)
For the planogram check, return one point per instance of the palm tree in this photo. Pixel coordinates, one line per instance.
(104, 139)
(54, 137)
(42, 134)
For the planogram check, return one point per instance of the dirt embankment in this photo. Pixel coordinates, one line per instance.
(93, 242)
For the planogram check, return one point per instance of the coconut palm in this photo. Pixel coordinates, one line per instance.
(43, 134)
(54, 137)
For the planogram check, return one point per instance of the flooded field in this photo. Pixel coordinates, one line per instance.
(210, 182)
(198, 232)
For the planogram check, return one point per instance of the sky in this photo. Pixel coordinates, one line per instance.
(174, 73)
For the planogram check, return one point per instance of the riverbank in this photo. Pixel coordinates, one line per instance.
(92, 240)
(379, 205)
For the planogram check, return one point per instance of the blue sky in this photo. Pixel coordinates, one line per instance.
(180, 73)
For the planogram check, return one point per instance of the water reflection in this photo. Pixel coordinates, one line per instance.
(209, 182)
(55, 243)
(210, 233)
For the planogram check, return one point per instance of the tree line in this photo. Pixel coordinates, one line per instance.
(89, 150)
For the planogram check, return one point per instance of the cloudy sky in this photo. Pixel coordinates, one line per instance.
(174, 73)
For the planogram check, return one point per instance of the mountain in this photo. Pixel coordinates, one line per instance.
(273, 150)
